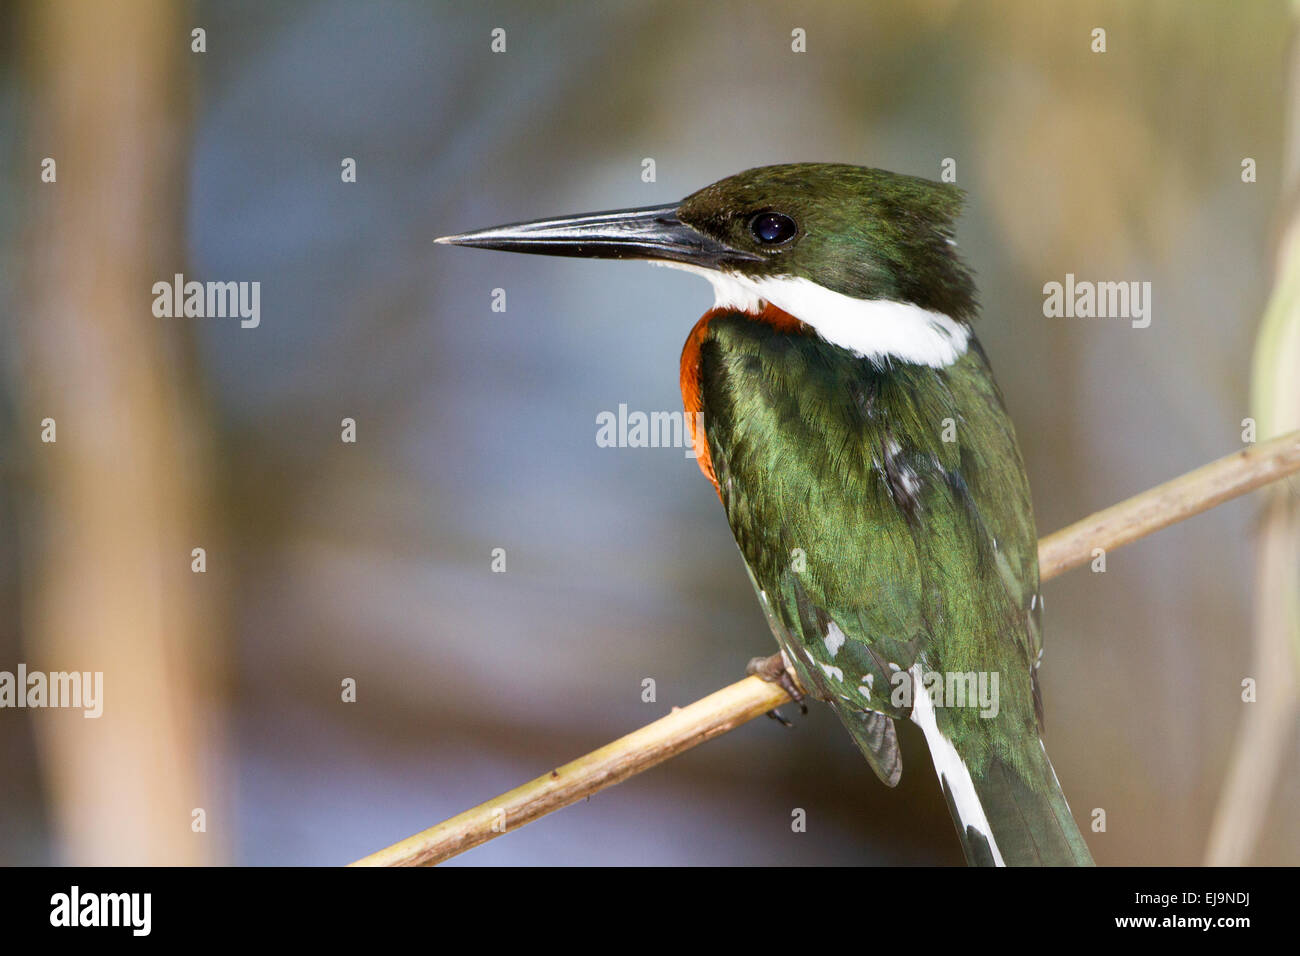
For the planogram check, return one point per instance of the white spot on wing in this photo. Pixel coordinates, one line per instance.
(834, 639)
(868, 682)
(833, 672)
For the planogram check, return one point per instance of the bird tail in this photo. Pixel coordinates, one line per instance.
(1026, 812)
(1007, 812)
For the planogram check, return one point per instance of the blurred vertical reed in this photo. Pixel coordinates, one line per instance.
(112, 508)
(1268, 724)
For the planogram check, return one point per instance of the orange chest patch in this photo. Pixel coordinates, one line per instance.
(692, 387)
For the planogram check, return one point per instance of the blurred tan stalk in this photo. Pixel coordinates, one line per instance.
(1267, 725)
(110, 510)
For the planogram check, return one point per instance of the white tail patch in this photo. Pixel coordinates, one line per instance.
(949, 765)
(876, 329)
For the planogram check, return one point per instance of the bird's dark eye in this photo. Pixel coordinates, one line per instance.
(772, 228)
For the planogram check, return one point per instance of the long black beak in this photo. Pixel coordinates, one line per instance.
(653, 232)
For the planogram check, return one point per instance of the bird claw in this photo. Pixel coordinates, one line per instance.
(779, 718)
(772, 670)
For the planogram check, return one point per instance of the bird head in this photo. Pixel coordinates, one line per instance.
(864, 256)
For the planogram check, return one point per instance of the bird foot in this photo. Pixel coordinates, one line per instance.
(772, 669)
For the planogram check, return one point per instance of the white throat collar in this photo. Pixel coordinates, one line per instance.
(876, 329)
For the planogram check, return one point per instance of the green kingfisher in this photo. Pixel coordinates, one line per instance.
(847, 417)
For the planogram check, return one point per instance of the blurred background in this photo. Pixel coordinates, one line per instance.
(475, 429)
